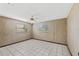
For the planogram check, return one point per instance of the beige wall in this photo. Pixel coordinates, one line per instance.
(9, 33)
(56, 31)
(73, 30)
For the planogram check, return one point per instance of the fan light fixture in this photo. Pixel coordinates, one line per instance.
(32, 18)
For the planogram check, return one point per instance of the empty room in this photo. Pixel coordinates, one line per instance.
(39, 29)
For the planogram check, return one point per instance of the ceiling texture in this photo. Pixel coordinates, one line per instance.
(40, 11)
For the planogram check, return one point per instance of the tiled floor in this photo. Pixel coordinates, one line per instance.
(34, 48)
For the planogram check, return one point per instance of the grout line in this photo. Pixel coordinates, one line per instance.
(62, 51)
(10, 51)
(56, 50)
(18, 52)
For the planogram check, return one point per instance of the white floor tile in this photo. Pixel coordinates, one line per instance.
(35, 48)
(13, 51)
(4, 52)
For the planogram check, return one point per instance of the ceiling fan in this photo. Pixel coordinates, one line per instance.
(32, 19)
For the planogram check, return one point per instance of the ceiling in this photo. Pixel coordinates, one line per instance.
(40, 11)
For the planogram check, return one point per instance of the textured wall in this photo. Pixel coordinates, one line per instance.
(73, 30)
(56, 31)
(10, 32)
